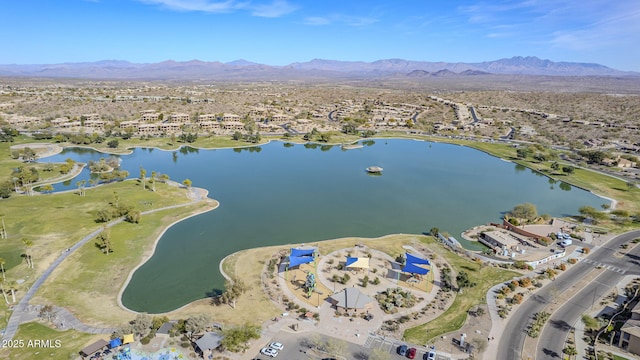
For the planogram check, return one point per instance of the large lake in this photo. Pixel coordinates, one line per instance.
(280, 194)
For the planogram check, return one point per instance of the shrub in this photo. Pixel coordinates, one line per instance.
(525, 282)
(572, 261)
(517, 298)
(585, 250)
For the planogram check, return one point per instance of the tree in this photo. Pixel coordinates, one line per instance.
(463, 280)
(142, 325)
(3, 230)
(113, 144)
(28, 155)
(349, 128)
(235, 338)
(187, 183)
(325, 137)
(143, 174)
(6, 189)
(80, 185)
(570, 350)
(568, 169)
(104, 240)
(28, 244)
(4, 293)
(197, 323)
(237, 136)
(524, 211)
(434, 231)
(590, 212)
(233, 290)
(555, 166)
(522, 153)
(12, 287)
(153, 181)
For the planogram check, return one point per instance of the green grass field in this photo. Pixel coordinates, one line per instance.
(35, 341)
(57, 221)
(89, 280)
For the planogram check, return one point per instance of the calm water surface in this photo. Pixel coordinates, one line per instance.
(276, 194)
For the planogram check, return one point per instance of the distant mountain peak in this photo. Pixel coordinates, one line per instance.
(241, 62)
(314, 69)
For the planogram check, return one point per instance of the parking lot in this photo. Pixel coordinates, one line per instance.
(391, 346)
(301, 347)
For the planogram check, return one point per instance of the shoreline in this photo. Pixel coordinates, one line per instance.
(226, 276)
(152, 251)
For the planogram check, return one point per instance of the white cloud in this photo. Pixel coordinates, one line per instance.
(355, 21)
(317, 20)
(614, 25)
(198, 5)
(274, 9)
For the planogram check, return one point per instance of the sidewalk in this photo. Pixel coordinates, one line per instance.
(497, 324)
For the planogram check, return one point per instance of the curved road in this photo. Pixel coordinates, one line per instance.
(21, 310)
(553, 335)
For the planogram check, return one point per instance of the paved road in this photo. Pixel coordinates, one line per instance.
(512, 342)
(552, 337)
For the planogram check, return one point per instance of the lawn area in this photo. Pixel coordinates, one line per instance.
(62, 344)
(88, 282)
(57, 221)
(454, 317)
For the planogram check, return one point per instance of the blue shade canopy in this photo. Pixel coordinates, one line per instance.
(414, 269)
(298, 260)
(351, 260)
(115, 343)
(354, 262)
(416, 260)
(302, 252)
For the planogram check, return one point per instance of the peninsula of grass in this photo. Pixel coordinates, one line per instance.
(55, 222)
(455, 316)
(88, 281)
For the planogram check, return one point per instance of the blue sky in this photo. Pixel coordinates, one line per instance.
(279, 32)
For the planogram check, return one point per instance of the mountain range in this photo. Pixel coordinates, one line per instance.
(314, 69)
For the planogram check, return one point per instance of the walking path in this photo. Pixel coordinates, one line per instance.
(22, 312)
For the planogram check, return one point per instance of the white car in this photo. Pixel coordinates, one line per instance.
(276, 346)
(269, 352)
(565, 243)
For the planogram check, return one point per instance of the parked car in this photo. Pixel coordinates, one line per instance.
(276, 346)
(431, 355)
(269, 352)
(402, 350)
(411, 353)
(565, 243)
